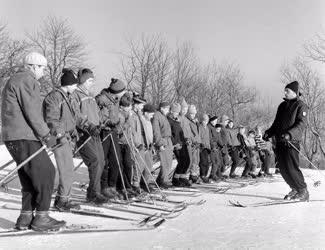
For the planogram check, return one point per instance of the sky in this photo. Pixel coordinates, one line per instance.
(258, 35)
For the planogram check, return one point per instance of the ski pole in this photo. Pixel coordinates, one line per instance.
(82, 145)
(316, 183)
(119, 167)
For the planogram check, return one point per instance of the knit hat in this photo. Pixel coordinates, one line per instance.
(224, 118)
(184, 104)
(116, 86)
(213, 118)
(218, 125)
(68, 78)
(35, 58)
(175, 107)
(192, 109)
(126, 100)
(164, 104)
(138, 99)
(205, 117)
(149, 108)
(85, 74)
(294, 86)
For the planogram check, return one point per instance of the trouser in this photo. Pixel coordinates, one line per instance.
(148, 166)
(216, 160)
(127, 164)
(64, 162)
(166, 160)
(36, 176)
(204, 162)
(234, 154)
(93, 156)
(225, 159)
(194, 168)
(248, 165)
(266, 159)
(139, 167)
(183, 162)
(288, 162)
(111, 169)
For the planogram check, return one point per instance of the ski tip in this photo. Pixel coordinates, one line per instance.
(157, 224)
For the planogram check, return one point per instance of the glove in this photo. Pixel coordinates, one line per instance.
(266, 137)
(50, 140)
(286, 137)
(177, 146)
(140, 147)
(93, 130)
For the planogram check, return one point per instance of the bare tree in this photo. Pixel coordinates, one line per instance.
(315, 49)
(61, 46)
(313, 94)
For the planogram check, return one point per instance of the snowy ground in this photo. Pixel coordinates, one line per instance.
(214, 225)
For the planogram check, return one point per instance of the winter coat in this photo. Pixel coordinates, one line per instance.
(205, 136)
(185, 124)
(161, 129)
(291, 118)
(148, 133)
(109, 108)
(225, 136)
(86, 108)
(232, 135)
(59, 113)
(21, 111)
(216, 138)
(243, 145)
(196, 139)
(137, 130)
(177, 131)
(124, 129)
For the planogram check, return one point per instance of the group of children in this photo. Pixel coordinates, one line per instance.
(116, 134)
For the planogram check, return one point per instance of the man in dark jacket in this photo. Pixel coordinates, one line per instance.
(288, 127)
(23, 131)
(61, 119)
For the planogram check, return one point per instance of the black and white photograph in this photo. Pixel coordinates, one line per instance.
(151, 124)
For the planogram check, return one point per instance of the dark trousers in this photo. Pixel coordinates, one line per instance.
(126, 163)
(288, 162)
(217, 162)
(234, 154)
(93, 156)
(266, 159)
(36, 177)
(204, 162)
(248, 165)
(183, 161)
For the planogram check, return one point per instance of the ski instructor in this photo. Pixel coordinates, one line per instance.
(23, 132)
(288, 128)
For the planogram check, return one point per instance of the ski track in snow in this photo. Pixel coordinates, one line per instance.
(214, 225)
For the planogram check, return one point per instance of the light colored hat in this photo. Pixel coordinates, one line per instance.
(205, 117)
(175, 107)
(35, 58)
(192, 109)
(184, 104)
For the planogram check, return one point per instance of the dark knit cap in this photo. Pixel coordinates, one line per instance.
(68, 78)
(294, 86)
(116, 86)
(218, 125)
(149, 108)
(84, 75)
(164, 104)
(213, 118)
(126, 100)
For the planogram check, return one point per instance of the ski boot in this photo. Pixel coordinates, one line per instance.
(98, 199)
(302, 195)
(176, 182)
(24, 220)
(43, 222)
(291, 194)
(185, 182)
(64, 205)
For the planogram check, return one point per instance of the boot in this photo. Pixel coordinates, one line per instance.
(24, 220)
(205, 179)
(185, 182)
(233, 176)
(176, 182)
(215, 178)
(43, 222)
(109, 193)
(98, 199)
(291, 194)
(302, 195)
(64, 205)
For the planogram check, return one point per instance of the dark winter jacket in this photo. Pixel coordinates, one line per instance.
(161, 129)
(21, 112)
(109, 108)
(194, 125)
(244, 149)
(216, 139)
(225, 136)
(177, 131)
(59, 113)
(205, 136)
(291, 118)
(233, 140)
